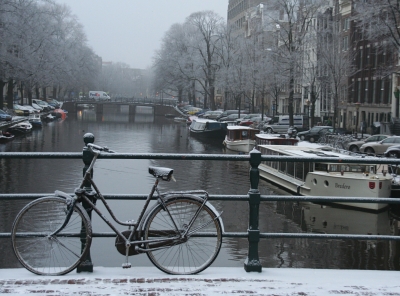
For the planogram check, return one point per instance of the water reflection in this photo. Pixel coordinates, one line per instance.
(332, 220)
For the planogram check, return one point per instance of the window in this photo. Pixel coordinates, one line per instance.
(373, 91)
(346, 24)
(345, 43)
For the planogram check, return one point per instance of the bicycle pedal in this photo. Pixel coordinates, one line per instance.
(126, 265)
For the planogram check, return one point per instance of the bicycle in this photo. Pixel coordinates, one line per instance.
(181, 233)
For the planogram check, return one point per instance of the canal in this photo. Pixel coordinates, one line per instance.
(144, 133)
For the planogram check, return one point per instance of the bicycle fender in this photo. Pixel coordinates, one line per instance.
(199, 199)
(68, 197)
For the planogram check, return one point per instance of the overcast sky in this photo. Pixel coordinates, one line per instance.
(130, 31)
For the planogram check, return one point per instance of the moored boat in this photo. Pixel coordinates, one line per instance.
(190, 119)
(240, 138)
(59, 113)
(35, 121)
(208, 128)
(180, 119)
(6, 137)
(326, 179)
(23, 127)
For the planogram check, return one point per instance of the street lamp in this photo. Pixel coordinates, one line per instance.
(357, 108)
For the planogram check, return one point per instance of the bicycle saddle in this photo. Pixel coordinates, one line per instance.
(163, 173)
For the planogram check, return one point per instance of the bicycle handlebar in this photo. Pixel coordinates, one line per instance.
(93, 147)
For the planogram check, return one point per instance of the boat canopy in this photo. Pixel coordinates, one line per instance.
(207, 125)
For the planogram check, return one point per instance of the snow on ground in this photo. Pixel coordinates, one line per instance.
(212, 281)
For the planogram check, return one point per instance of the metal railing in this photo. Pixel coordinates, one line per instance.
(254, 198)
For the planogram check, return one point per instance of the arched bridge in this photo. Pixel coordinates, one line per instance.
(157, 106)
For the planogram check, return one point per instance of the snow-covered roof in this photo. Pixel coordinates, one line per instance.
(240, 127)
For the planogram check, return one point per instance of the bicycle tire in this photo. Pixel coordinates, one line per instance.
(56, 255)
(197, 252)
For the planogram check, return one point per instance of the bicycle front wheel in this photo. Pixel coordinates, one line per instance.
(189, 255)
(46, 254)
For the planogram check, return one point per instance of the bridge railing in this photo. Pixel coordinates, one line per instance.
(253, 197)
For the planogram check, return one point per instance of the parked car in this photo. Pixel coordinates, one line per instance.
(31, 109)
(193, 110)
(228, 112)
(202, 112)
(230, 117)
(342, 131)
(355, 145)
(280, 124)
(4, 116)
(247, 116)
(381, 146)
(37, 107)
(212, 114)
(21, 110)
(46, 107)
(252, 120)
(53, 102)
(393, 151)
(315, 133)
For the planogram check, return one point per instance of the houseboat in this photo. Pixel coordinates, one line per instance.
(326, 179)
(240, 138)
(208, 128)
(23, 127)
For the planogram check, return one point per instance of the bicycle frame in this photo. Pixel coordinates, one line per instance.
(136, 233)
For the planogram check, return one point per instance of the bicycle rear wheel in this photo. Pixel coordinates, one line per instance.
(50, 255)
(192, 254)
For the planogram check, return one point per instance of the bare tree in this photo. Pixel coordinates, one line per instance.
(380, 20)
(173, 63)
(207, 25)
(43, 45)
(292, 19)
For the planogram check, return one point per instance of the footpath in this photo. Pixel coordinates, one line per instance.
(213, 281)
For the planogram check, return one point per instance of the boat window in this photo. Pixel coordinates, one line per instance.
(282, 166)
(355, 168)
(290, 169)
(244, 135)
(321, 166)
(300, 170)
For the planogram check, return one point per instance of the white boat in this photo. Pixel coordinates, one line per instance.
(35, 120)
(326, 179)
(240, 138)
(23, 127)
(180, 119)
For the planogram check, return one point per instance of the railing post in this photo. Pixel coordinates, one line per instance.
(252, 262)
(87, 157)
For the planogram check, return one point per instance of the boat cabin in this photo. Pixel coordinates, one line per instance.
(207, 125)
(267, 139)
(239, 133)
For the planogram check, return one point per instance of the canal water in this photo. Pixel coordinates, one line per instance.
(144, 133)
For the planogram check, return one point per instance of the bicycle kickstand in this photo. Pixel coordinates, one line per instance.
(127, 264)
